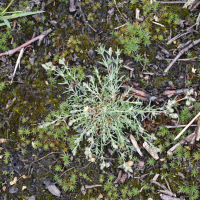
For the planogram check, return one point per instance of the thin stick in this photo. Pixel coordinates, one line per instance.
(17, 63)
(177, 36)
(167, 185)
(41, 159)
(121, 26)
(119, 11)
(187, 126)
(179, 126)
(66, 171)
(39, 37)
(181, 53)
(158, 24)
(163, 2)
(184, 59)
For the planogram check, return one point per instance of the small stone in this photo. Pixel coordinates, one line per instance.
(31, 198)
(13, 190)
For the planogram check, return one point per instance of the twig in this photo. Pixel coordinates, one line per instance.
(92, 186)
(66, 171)
(159, 184)
(167, 192)
(17, 63)
(121, 26)
(170, 2)
(184, 59)
(179, 126)
(167, 185)
(39, 37)
(187, 139)
(187, 126)
(166, 197)
(158, 24)
(180, 54)
(176, 37)
(119, 11)
(41, 159)
(84, 19)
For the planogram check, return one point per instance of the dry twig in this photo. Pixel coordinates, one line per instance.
(39, 37)
(180, 54)
(187, 126)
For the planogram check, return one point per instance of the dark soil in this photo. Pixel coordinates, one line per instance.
(34, 93)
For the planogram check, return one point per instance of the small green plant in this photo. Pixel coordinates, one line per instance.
(194, 172)
(2, 85)
(151, 162)
(100, 111)
(13, 15)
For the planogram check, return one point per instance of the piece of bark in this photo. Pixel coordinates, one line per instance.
(166, 197)
(198, 130)
(181, 175)
(123, 178)
(140, 165)
(143, 96)
(167, 192)
(156, 177)
(159, 184)
(150, 150)
(118, 177)
(72, 7)
(188, 139)
(135, 144)
(170, 93)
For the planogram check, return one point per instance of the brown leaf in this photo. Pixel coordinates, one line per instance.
(2, 140)
(123, 178)
(14, 181)
(135, 144)
(100, 196)
(4, 188)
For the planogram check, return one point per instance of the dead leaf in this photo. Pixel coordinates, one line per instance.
(23, 187)
(2, 140)
(151, 151)
(135, 144)
(188, 148)
(4, 188)
(194, 70)
(23, 176)
(14, 181)
(10, 102)
(123, 178)
(100, 196)
(83, 190)
(129, 163)
(33, 144)
(169, 153)
(54, 190)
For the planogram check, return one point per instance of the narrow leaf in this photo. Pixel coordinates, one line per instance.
(7, 22)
